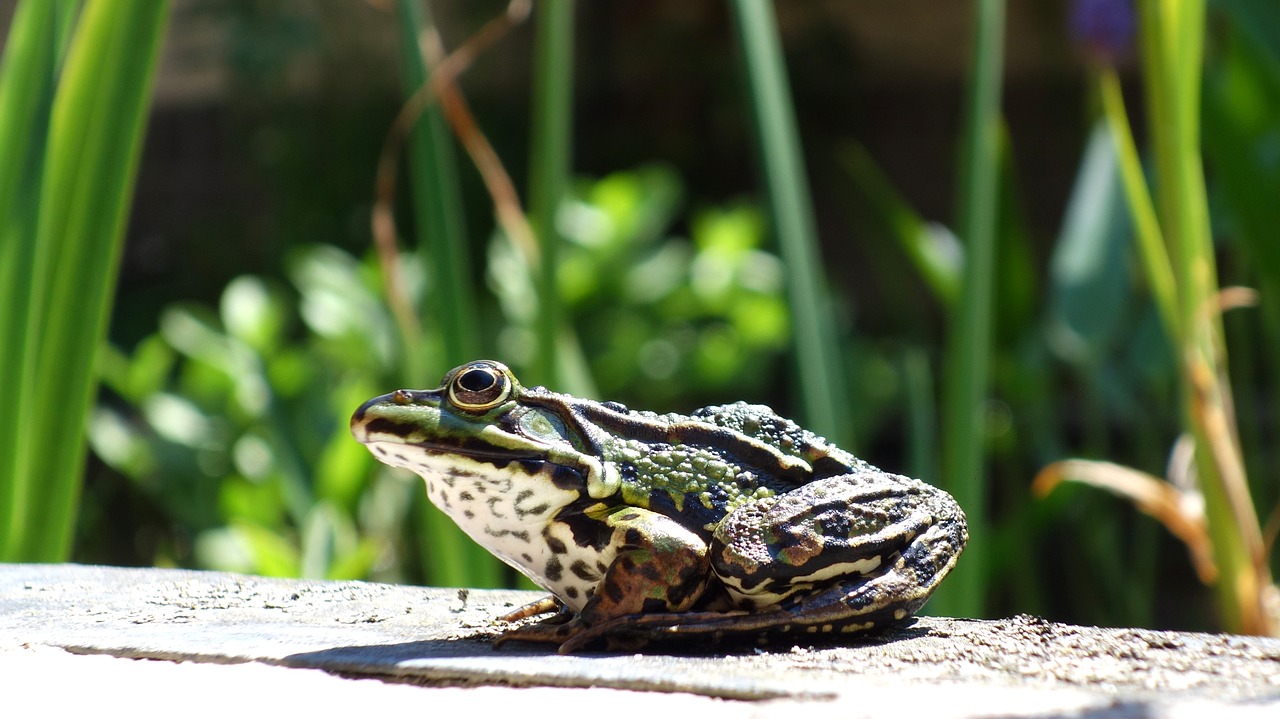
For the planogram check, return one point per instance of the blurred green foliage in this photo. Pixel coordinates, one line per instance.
(232, 421)
(685, 318)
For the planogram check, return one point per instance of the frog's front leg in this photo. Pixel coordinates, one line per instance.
(660, 567)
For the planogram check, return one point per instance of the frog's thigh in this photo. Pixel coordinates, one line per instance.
(857, 603)
(660, 566)
(850, 604)
(848, 526)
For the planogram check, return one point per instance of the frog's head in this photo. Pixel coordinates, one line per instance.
(482, 423)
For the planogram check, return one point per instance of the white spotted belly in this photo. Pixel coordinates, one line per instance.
(509, 512)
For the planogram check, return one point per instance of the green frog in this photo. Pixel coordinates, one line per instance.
(731, 522)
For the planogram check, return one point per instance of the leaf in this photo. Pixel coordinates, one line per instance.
(1181, 512)
(61, 277)
(1088, 273)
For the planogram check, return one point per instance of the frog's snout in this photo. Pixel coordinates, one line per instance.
(382, 407)
(359, 424)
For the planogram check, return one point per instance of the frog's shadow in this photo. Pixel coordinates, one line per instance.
(437, 659)
(785, 643)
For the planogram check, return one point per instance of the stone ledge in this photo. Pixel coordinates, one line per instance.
(438, 637)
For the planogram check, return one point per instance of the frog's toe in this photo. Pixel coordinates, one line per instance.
(545, 605)
(586, 636)
(576, 635)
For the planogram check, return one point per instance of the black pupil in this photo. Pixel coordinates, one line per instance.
(477, 380)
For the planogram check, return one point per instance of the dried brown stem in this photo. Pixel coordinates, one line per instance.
(441, 85)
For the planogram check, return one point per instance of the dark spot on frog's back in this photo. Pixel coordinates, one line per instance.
(719, 495)
(835, 524)
(628, 471)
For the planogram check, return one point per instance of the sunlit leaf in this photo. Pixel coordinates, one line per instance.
(251, 314)
(249, 549)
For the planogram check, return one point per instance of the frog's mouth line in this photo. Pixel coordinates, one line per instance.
(384, 436)
(448, 463)
(385, 431)
(493, 455)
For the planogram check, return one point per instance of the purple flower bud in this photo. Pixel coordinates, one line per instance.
(1105, 28)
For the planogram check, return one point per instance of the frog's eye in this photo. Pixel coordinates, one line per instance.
(479, 387)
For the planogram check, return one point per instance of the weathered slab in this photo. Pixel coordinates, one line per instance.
(940, 667)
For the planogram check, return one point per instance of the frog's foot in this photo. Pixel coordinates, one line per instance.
(568, 634)
(638, 630)
(620, 633)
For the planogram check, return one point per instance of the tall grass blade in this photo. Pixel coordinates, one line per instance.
(1172, 48)
(450, 558)
(27, 74)
(1155, 255)
(818, 365)
(95, 134)
(437, 203)
(550, 152)
(968, 360)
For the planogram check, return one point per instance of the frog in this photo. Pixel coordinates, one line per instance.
(729, 523)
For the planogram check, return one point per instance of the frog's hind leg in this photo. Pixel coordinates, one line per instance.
(862, 603)
(850, 604)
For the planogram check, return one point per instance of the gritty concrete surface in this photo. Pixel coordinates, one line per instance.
(87, 638)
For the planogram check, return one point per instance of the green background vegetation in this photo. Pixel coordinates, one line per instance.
(967, 241)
